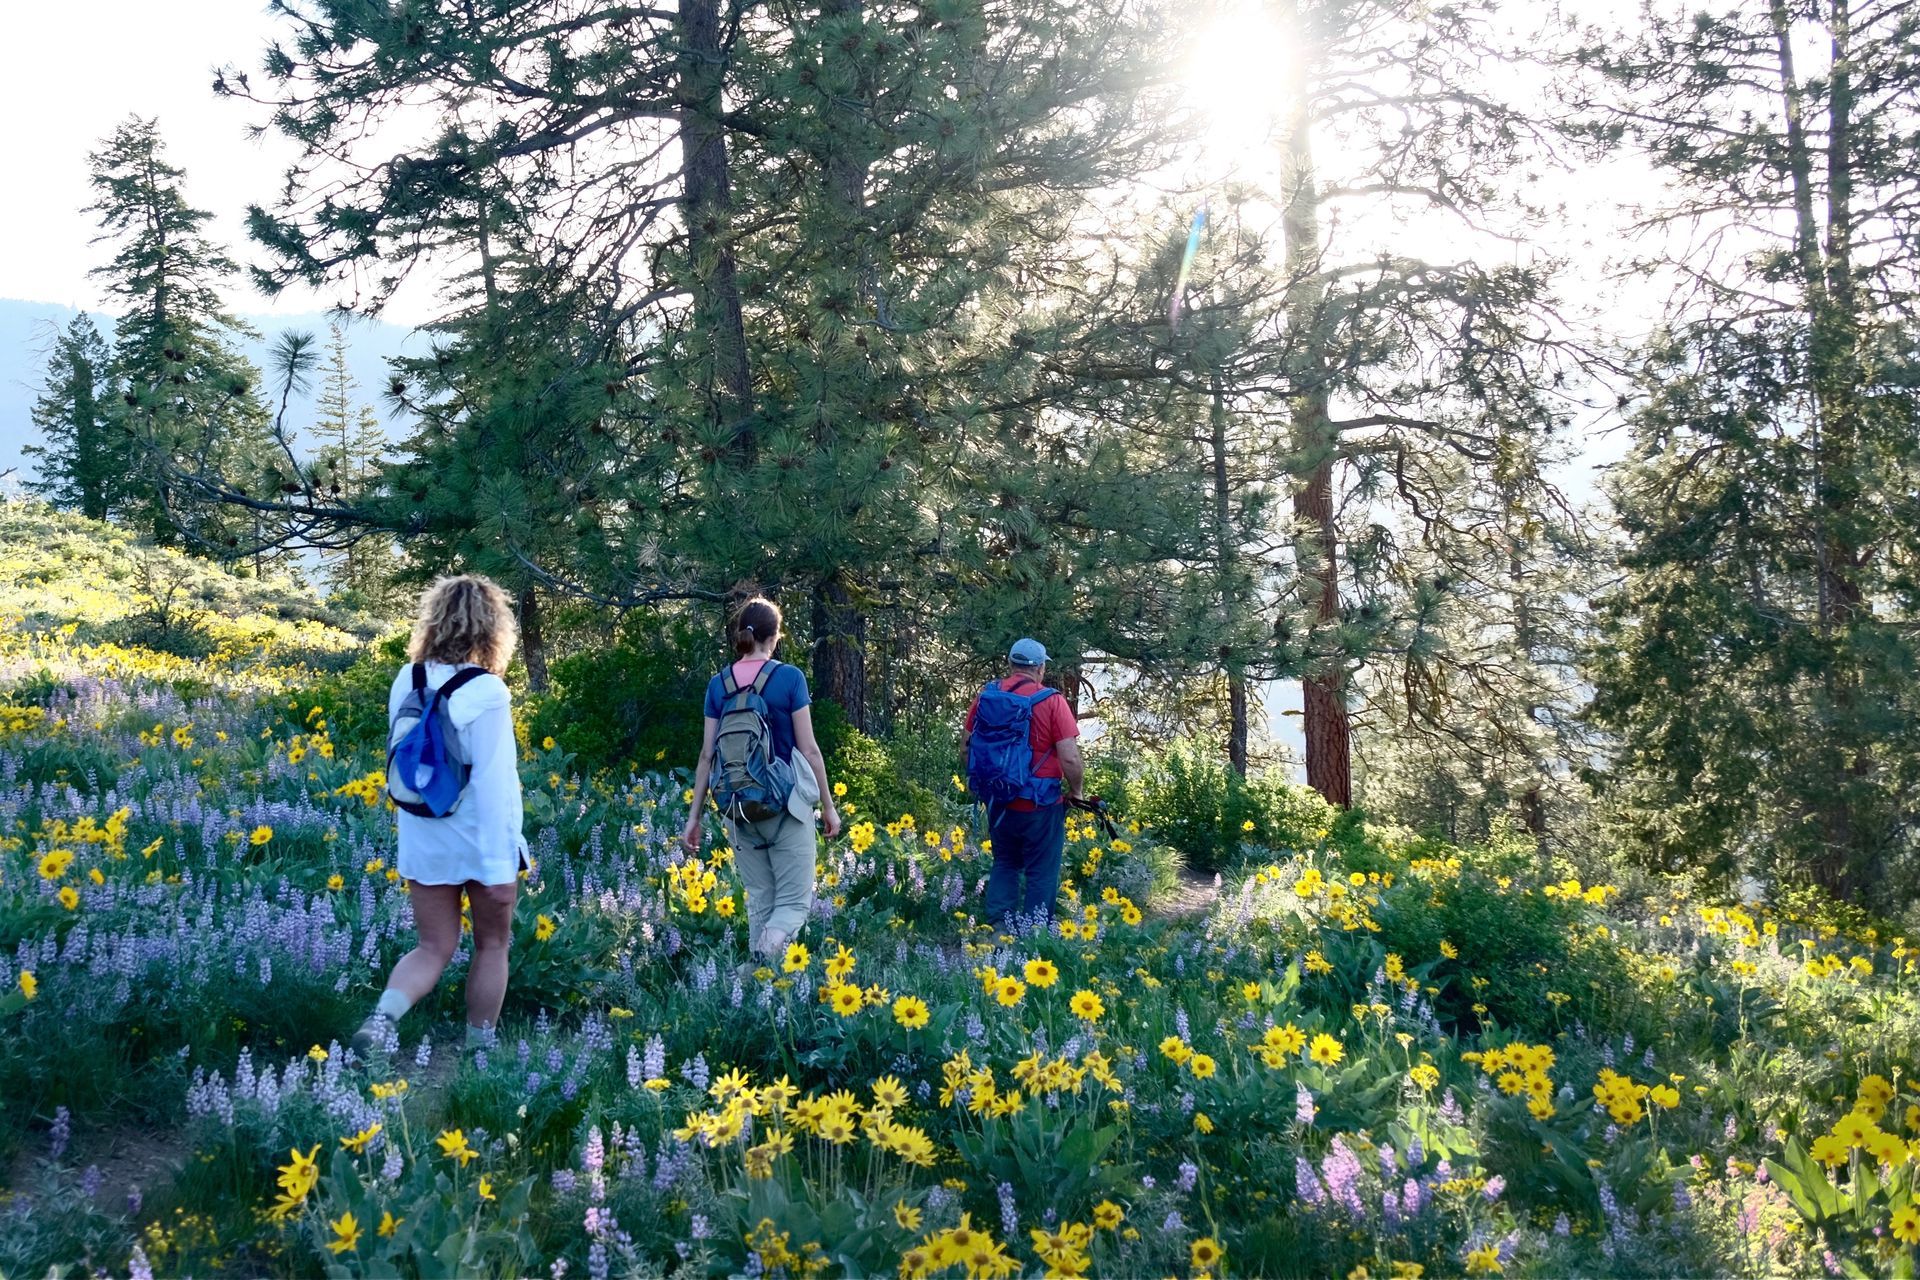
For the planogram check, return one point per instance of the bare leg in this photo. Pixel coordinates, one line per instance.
(492, 906)
(436, 918)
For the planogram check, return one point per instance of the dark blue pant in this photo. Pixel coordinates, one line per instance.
(1025, 879)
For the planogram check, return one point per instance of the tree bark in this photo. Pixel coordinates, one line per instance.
(533, 640)
(1327, 724)
(840, 650)
(839, 625)
(708, 204)
(1225, 548)
(1237, 722)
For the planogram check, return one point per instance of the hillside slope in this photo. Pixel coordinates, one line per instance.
(77, 593)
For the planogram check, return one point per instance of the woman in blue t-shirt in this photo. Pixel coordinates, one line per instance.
(776, 855)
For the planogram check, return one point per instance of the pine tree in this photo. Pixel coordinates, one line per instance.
(1413, 381)
(863, 191)
(1472, 711)
(189, 401)
(1757, 661)
(350, 449)
(82, 460)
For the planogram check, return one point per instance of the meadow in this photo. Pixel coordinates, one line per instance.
(1367, 1054)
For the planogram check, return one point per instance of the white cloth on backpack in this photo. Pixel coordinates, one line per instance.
(481, 840)
(803, 802)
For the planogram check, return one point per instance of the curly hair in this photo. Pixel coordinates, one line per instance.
(465, 619)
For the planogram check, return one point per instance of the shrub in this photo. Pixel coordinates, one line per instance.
(1194, 802)
(354, 702)
(871, 770)
(637, 702)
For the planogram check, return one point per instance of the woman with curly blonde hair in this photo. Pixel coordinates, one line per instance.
(462, 640)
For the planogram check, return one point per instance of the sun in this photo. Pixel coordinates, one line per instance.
(1236, 72)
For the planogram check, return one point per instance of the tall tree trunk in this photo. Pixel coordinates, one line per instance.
(840, 650)
(1532, 800)
(1226, 546)
(1237, 722)
(1313, 445)
(839, 625)
(1833, 324)
(533, 640)
(709, 205)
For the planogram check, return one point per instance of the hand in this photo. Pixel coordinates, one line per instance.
(830, 819)
(690, 838)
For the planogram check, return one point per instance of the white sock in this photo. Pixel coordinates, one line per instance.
(394, 1003)
(479, 1037)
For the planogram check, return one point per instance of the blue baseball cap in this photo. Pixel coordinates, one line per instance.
(1027, 653)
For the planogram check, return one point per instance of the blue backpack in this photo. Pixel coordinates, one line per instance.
(1000, 759)
(427, 764)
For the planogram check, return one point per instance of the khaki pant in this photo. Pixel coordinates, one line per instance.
(776, 860)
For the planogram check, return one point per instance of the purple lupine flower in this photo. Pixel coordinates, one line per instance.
(138, 1268)
(653, 1064)
(1172, 1225)
(1306, 1184)
(1189, 1174)
(1495, 1185)
(1303, 1109)
(1009, 1212)
(1682, 1198)
(1341, 1169)
(59, 1133)
(1412, 1197)
(1450, 1109)
(90, 1181)
(593, 1160)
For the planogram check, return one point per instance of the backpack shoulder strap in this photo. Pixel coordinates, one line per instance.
(766, 674)
(460, 680)
(728, 685)
(1035, 699)
(419, 677)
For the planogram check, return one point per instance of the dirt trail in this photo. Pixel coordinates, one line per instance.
(1192, 896)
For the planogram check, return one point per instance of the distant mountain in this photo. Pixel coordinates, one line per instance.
(27, 331)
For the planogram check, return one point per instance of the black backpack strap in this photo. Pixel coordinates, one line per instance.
(419, 677)
(459, 680)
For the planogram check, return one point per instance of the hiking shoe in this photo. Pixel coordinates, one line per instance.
(374, 1035)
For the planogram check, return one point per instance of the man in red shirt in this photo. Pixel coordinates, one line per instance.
(1029, 832)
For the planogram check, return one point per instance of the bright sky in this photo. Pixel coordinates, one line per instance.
(72, 69)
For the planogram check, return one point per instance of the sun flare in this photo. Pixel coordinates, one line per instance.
(1236, 77)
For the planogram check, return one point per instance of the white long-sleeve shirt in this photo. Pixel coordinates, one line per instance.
(481, 840)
